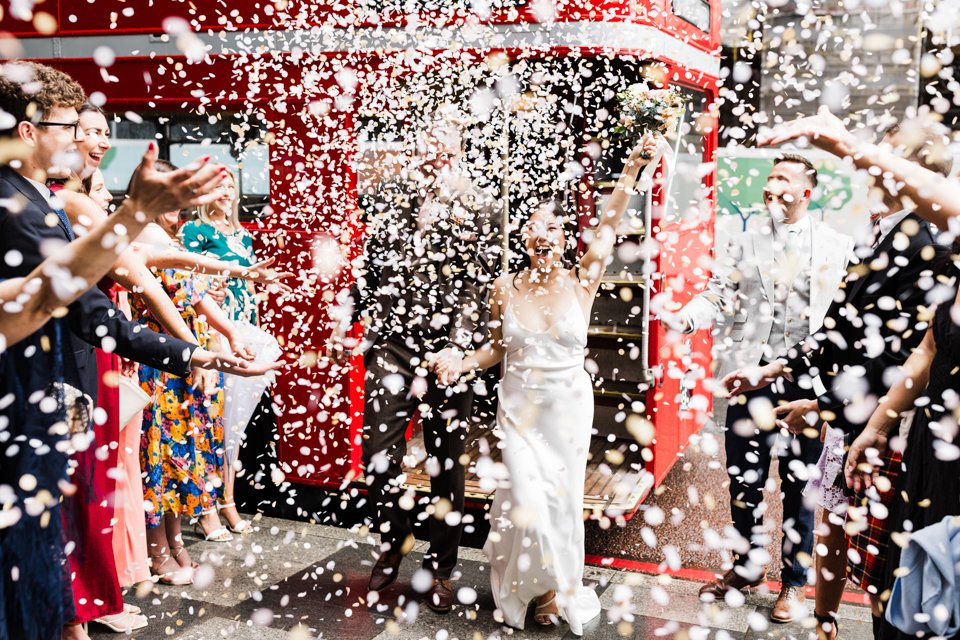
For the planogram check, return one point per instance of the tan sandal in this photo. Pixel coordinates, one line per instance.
(827, 627)
(177, 578)
(544, 617)
(177, 552)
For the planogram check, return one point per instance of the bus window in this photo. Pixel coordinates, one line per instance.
(235, 140)
(696, 12)
(688, 196)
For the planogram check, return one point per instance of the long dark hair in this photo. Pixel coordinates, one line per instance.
(571, 234)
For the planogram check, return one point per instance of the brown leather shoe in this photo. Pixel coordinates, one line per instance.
(789, 602)
(386, 570)
(731, 580)
(440, 596)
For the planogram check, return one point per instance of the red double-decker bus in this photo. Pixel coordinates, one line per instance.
(309, 102)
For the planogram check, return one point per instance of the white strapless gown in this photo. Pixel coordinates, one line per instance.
(544, 422)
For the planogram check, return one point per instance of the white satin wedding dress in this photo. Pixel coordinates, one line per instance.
(544, 422)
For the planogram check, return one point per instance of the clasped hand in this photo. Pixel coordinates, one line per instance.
(447, 365)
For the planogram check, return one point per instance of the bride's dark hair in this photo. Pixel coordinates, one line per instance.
(571, 233)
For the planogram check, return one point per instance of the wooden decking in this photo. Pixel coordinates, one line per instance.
(616, 482)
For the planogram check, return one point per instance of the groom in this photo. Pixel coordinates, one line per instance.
(432, 248)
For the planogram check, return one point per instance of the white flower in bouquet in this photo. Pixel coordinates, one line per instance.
(645, 110)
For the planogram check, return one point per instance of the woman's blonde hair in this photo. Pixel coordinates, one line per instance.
(203, 212)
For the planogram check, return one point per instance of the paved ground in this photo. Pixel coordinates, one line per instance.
(693, 503)
(293, 581)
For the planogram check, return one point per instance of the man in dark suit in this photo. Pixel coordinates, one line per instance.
(878, 318)
(432, 248)
(33, 223)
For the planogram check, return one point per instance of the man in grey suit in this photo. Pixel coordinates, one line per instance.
(777, 282)
(432, 248)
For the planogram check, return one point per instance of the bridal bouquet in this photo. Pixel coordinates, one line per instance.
(645, 110)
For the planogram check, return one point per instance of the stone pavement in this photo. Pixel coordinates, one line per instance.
(295, 581)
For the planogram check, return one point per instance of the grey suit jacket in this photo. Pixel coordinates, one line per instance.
(742, 288)
(427, 281)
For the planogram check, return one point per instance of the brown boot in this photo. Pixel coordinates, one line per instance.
(440, 596)
(386, 570)
(788, 603)
(731, 580)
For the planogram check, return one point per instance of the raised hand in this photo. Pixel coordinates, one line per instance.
(864, 457)
(261, 274)
(642, 153)
(823, 130)
(155, 193)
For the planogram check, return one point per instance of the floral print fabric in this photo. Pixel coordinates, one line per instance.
(181, 447)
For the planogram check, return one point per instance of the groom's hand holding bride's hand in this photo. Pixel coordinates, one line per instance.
(447, 365)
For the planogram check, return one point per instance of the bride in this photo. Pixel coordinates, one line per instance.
(539, 319)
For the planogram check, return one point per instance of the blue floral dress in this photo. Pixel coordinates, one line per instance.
(181, 449)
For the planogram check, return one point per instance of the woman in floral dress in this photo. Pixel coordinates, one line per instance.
(217, 233)
(182, 442)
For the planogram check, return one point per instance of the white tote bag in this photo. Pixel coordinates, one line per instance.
(133, 400)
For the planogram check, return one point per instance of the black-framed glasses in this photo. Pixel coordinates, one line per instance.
(73, 125)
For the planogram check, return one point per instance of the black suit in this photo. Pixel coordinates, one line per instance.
(874, 323)
(423, 290)
(32, 232)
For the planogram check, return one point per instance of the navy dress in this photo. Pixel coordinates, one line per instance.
(928, 488)
(35, 596)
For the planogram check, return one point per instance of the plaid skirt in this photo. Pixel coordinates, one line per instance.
(868, 528)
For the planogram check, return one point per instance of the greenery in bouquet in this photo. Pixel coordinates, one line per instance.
(645, 110)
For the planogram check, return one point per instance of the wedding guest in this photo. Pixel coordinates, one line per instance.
(218, 232)
(131, 270)
(538, 324)
(925, 489)
(433, 231)
(866, 342)
(35, 593)
(776, 281)
(182, 445)
(89, 513)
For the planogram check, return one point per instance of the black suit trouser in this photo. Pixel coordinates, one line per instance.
(749, 450)
(389, 405)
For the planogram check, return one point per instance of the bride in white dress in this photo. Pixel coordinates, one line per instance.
(539, 318)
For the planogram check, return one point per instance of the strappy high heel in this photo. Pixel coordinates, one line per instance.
(542, 616)
(243, 526)
(123, 622)
(180, 577)
(177, 552)
(220, 534)
(827, 627)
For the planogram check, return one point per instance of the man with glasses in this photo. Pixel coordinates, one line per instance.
(776, 281)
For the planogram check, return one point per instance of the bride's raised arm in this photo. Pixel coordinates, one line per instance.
(594, 260)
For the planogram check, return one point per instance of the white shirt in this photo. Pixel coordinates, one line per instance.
(44, 191)
(888, 223)
(791, 304)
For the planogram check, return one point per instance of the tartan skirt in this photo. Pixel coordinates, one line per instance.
(868, 526)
